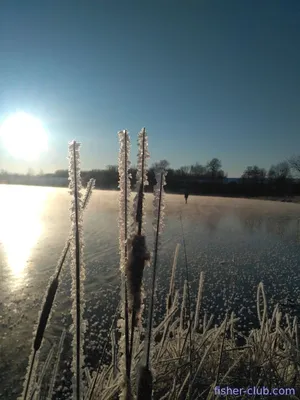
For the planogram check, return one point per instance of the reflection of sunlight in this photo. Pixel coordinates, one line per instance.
(20, 224)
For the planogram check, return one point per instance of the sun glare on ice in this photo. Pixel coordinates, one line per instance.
(24, 136)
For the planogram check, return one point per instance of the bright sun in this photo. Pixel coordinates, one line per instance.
(24, 136)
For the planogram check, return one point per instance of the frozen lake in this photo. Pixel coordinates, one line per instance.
(237, 242)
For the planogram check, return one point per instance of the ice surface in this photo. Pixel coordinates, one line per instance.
(236, 242)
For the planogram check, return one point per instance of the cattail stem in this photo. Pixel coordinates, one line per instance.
(154, 274)
(78, 294)
(139, 215)
(88, 193)
(26, 392)
(124, 186)
(47, 307)
(199, 299)
(139, 220)
(126, 257)
(145, 384)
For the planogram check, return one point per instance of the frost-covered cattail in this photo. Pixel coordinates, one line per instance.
(137, 250)
(138, 256)
(47, 308)
(43, 319)
(77, 268)
(124, 196)
(88, 192)
(159, 204)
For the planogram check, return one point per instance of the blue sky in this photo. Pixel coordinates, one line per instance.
(206, 78)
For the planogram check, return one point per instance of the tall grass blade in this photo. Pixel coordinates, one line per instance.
(188, 299)
(199, 300)
(171, 294)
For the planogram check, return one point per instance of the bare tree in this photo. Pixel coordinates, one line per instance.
(213, 168)
(198, 169)
(112, 168)
(280, 171)
(294, 163)
(63, 173)
(162, 164)
(185, 170)
(254, 174)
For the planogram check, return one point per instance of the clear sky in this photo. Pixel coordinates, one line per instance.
(206, 78)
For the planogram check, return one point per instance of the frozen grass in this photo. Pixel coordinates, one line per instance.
(184, 356)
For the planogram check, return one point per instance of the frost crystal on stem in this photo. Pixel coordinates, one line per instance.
(124, 196)
(77, 267)
(159, 201)
(124, 185)
(138, 213)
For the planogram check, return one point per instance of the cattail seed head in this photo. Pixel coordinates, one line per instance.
(45, 314)
(138, 256)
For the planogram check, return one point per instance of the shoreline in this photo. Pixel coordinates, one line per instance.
(283, 199)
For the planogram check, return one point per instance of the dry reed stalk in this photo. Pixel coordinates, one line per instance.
(207, 351)
(36, 393)
(87, 376)
(221, 351)
(56, 365)
(170, 297)
(262, 318)
(199, 300)
(183, 306)
(167, 324)
(189, 301)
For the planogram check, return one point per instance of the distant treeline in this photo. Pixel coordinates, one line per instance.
(197, 179)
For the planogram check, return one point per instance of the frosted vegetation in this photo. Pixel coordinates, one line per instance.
(160, 345)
